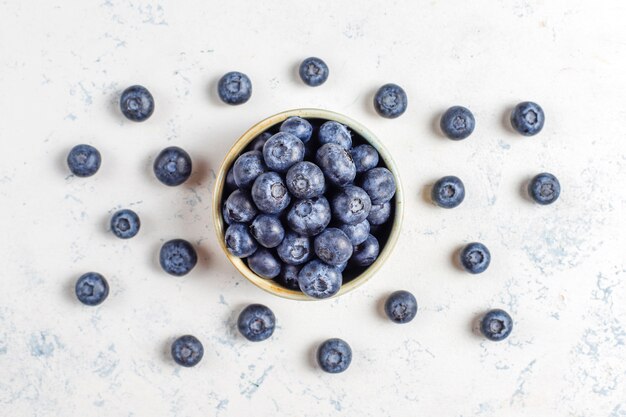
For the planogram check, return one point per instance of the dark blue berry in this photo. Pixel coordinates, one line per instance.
(239, 208)
(239, 241)
(390, 101)
(309, 217)
(234, 88)
(247, 168)
(448, 192)
(282, 151)
(136, 103)
(379, 213)
(333, 246)
(366, 253)
(258, 142)
(496, 325)
(295, 249)
(299, 127)
(401, 307)
(336, 163)
(91, 289)
(544, 188)
(379, 184)
(256, 322)
(125, 224)
(267, 230)
(334, 356)
(264, 264)
(351, 205)
(305, 180)
(319, 280)
(313, 71)
(177, 257)
(269, 193)
(172, 166)
(187, 351)
(457, 123)
(84, 160)
(475, 257)
(230, 183)
(357, 233)
(335, 132)
(365, 157)
(527, 118)
(289, 277)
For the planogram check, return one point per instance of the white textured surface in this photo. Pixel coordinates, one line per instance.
(559, 270)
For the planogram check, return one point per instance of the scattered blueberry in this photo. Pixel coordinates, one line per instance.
(258, 142)
(172, 166)
(187, 351)
(496, 325)
(475, 257)
(289, 277)
(336, 163)
(527, 118)
(177, 257)
(544, 188)
(379, 184)
(401, 307)
(264, 264)
(366, 253)
(319, 280)
(335, 132)
(299, 127)
(239, 208)
(309, 217)
(379, 214)
(267, 230)
(295, 249)
(234, 88)
(256, 322)
(334, 356)
(457, 123)
(365, 157)
(247, 168)
(239, 241)
(333, 246)
(351, 205)
(448, 192)
(390, 101)
(305, 180)
(230, 180)
(313, 71)
(357, 233)
(91, 289)
(84, 160)
(269, 193)
(282, 151)
(136, 103)
(125, 224)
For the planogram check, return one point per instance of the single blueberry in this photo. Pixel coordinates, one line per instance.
(187, 351)
(305, 180)
(125, 224)
(289, 277)
(365, 157)
(230, 183)
(379, 184)
(351, 205)
(496, 325)
(136, 103)
(234, 88)
(475, 257)
(366, 253)
(84, 160)
(334, 356)
(401, 307)
(172, 166)
(269, 193)
(177, 257)
(457, 123)
(313, 71)
(239, 241)
(319, 280)
(282, 151)
(267, 230)
(264, 264)
(333, 246)
(247, 168)
(379, 214)
(336, 163)
(390, 101)
(544, 188)
(527, 118)
(335, 132)
(256, 322)
(295, 249)
(357, 233)
(258, 142)
(310, 216)
(299, 127)
(239, 208)
(91, 289)
(448, 192)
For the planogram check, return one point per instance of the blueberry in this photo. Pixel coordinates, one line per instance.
(379, 184)
(448, 192)
(390, 101)
(527, 118)
(313, 71)
(91, 289)
(269, 193)
(172, 166)
(239, 241)
(84, 160)
(187, 351)
(136, 103)
(496, 325)
(305, 180)
(299, 127)
(335, 132)
(357, 233)
(351, 205)
(295, 249)
(334, 356)
(333, 246)
(239, 208)
(401, 307)
(256, 322)
(282, 150)
(234, 88)
(230, 180)
(264, 264)
(177, 257)
(247, 168)
(336, 164)
(366, 253)
(365, 157)
(379, 214)
(309, 217)
(475, 257)
(267, 230)
(544, 188)
(457, 123)
(258, 142)
(125, 224)
(319, 280)
(289, 277)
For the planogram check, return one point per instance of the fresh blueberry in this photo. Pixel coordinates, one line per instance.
(295, 249)
(448, 192)
(496, 325)
(401, 307)
(379, 213)
(527, 118)
(544, 188)
(334, 356)
(379, 184)
(264, 264)
(247, 168)
(239, 241)
(256, 322)
(333, 246)
(299, 127)
(313, 71)
(187, 351)
(457, 123)
(177, 257)
(351, 205)
(366, 253)
(269, 193)
(230, 180)
(282, 151)
(172, 166)
(365, 157)
(91, 289)
(336, 163)
(289, 277)
(258, 142)
(239, 208)
(125, 224)
(234, 88)
(390, 101)
(357, 233)
(305, 180)
(319, 280)
(267, 230)
(335, 132)
(475, 257)
(136, 103)
(84, 160)
(309, 217)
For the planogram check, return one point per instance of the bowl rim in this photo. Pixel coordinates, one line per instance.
(242, 142)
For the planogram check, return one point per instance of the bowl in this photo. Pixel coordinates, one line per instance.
(392, 226)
